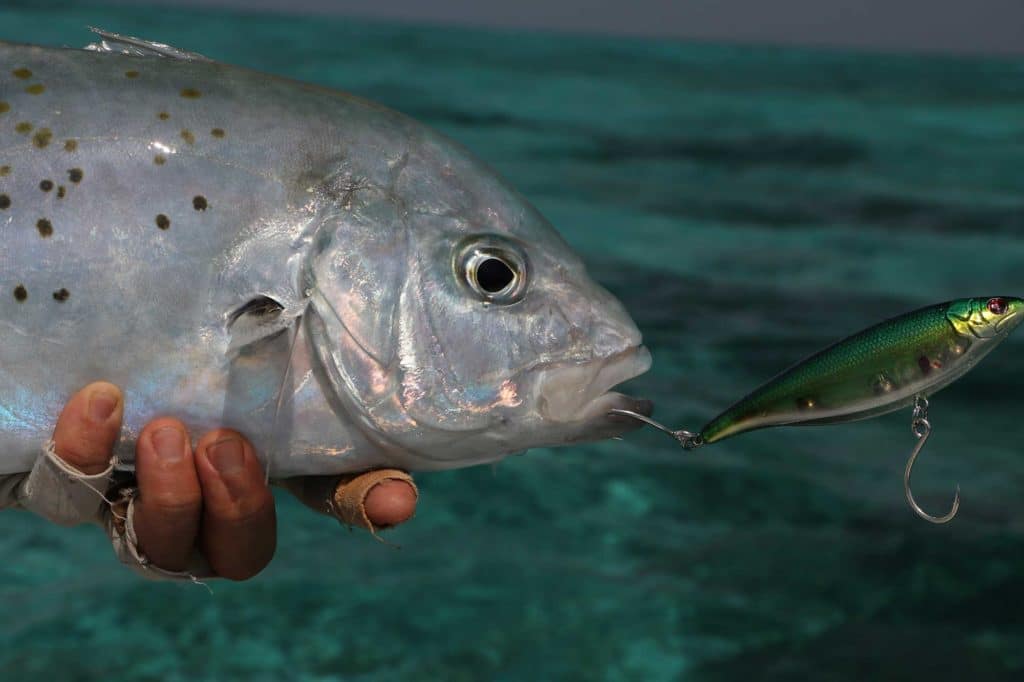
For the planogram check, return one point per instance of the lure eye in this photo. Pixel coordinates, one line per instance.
(493, 268)
(997, 306)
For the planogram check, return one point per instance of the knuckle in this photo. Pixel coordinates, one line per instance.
(245, 511)
(155, 425)
(81, 452)
(172, 502)
(220, 434)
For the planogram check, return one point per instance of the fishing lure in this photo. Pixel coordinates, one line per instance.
(889, 366)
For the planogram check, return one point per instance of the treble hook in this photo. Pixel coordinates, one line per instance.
(688, 439)
(922, 429)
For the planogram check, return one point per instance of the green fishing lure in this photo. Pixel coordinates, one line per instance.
(889, 366)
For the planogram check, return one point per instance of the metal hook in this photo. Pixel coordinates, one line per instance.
(688, 439)
(922, 429)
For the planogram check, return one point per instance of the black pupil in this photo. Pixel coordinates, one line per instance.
(997, 306)
(494, 275)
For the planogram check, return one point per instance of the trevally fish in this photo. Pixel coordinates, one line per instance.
(342, 284)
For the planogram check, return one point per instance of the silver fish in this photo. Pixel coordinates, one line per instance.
(344, 285)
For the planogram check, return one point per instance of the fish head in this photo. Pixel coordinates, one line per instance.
(987, 318)
(456, 323)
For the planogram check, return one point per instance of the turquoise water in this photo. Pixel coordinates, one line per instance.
(749, 206)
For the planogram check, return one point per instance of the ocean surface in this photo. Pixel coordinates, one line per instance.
(750, 206)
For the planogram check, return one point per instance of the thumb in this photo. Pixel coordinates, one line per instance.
(89, 426)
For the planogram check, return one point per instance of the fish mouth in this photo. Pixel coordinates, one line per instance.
(581, 393)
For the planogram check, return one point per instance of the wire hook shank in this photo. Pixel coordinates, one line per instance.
(922, 429)
(688, 439)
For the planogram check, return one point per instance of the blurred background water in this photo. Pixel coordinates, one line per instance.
(749, 205)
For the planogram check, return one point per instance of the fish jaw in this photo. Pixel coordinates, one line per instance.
(570, 404)
(578, 397)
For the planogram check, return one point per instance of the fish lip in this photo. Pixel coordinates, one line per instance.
(581, 393)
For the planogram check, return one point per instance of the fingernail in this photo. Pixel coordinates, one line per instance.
(226, 455)
(169, 443)
(102, 403)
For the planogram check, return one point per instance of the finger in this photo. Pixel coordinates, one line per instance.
(239, 526)
(373, 500)
(89, 426)
(390, 503)
(170, 500)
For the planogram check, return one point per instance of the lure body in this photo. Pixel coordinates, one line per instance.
(878, 370)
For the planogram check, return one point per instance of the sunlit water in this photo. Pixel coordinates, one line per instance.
(749, 206)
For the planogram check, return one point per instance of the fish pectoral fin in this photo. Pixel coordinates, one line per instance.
(115, 43)
(258, 319)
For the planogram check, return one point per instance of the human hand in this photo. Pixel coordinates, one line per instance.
(212, 497)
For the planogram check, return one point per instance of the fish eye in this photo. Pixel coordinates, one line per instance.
(997, 306)
(494, 275)
(493, 268)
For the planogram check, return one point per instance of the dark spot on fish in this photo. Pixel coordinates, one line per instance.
(20, 293)
(163, 222)
(159, 159)
(4, 107)
(217, 132)
(42, 138)
(61, 192)
(163, 116)
(5, 170)
(36, 89)
(45, 227)
(61, 295)
(5, 201)
(191, 93)
(24, 127)
(46, 185)
(806, 403)
(188, 136)
(75, 175)
(131, 74)
(199, 203)
(22, 73)
(924, 364)
(70, 145)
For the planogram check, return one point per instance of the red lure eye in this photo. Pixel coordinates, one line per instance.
(997, 306)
